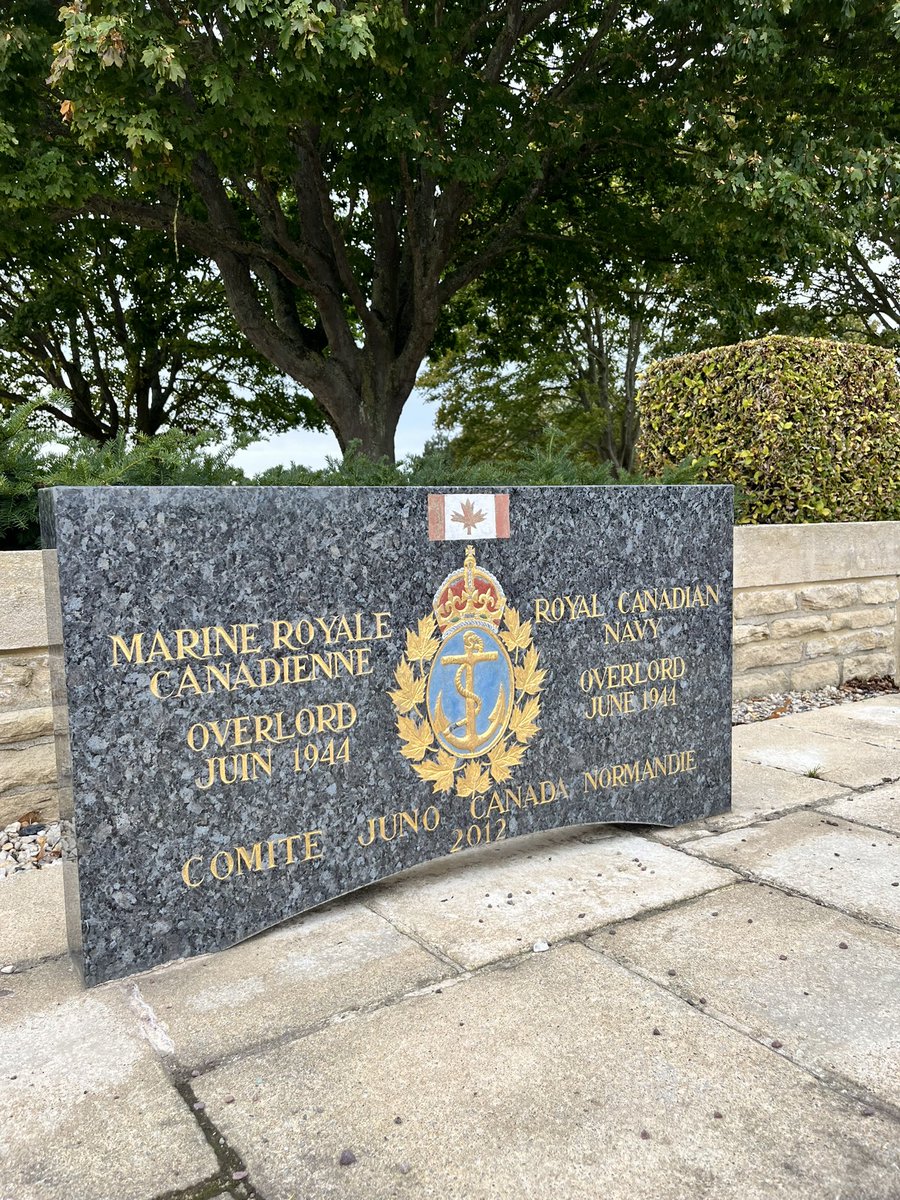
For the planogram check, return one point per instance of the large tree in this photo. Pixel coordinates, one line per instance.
(351, 166)
(852, 295)
(538, 356)
(573, 381)
(566, 371)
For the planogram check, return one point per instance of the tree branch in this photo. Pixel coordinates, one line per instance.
(312, 167)
(499, 244)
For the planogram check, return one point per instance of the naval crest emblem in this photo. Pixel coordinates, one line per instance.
(468, 687)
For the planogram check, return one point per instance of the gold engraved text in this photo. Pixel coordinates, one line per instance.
(567, 608)
(261, 856)
(679, 762)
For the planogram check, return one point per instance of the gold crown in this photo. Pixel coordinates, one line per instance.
(472, 593)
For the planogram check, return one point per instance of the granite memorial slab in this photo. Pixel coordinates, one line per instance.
(269, 697)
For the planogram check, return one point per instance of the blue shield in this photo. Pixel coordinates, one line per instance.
(470, 690)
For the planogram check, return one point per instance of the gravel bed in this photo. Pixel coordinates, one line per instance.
(764, 708)
(29, 847)
(38, 846)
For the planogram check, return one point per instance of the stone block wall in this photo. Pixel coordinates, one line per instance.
(815, 605)
(27, 755)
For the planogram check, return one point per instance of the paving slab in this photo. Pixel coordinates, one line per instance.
(32, 916)
(86, 1110)
(756, 793)
(879, 807)
(789, 745)
(544, 1079)
(823, 984)
(497, 906)
(845, 865)
(285, 980)
(875, 721)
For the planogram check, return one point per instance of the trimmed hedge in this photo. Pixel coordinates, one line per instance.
(806, 429)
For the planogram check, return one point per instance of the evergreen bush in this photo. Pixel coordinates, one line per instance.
(806, 429)
(34, 458)
(535, 468)
(31, 459)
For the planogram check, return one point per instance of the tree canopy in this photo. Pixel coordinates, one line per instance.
(573, 383)
(351, 168)
(114, 330)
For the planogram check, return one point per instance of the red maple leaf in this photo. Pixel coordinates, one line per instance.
(469, 516)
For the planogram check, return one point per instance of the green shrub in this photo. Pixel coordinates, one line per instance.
(537, 468)
(34, 458)
(31, 459)
(806, 429)
(21, 465)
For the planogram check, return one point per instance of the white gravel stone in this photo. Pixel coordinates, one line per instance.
(785, 704)
(29, 851)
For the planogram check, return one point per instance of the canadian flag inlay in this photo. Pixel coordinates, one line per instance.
(460, 518)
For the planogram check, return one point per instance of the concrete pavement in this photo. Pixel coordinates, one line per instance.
(717, 1015)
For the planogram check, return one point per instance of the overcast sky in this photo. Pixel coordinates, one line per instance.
(311, 449)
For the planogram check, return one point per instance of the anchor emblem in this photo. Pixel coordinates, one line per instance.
(467, 695)
(464, 681)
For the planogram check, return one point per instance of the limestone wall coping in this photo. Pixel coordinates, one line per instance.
(775, 555)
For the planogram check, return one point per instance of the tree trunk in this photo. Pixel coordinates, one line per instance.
(373, 437)
(365, 411)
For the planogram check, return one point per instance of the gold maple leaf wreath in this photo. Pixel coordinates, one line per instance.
(437, 766)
